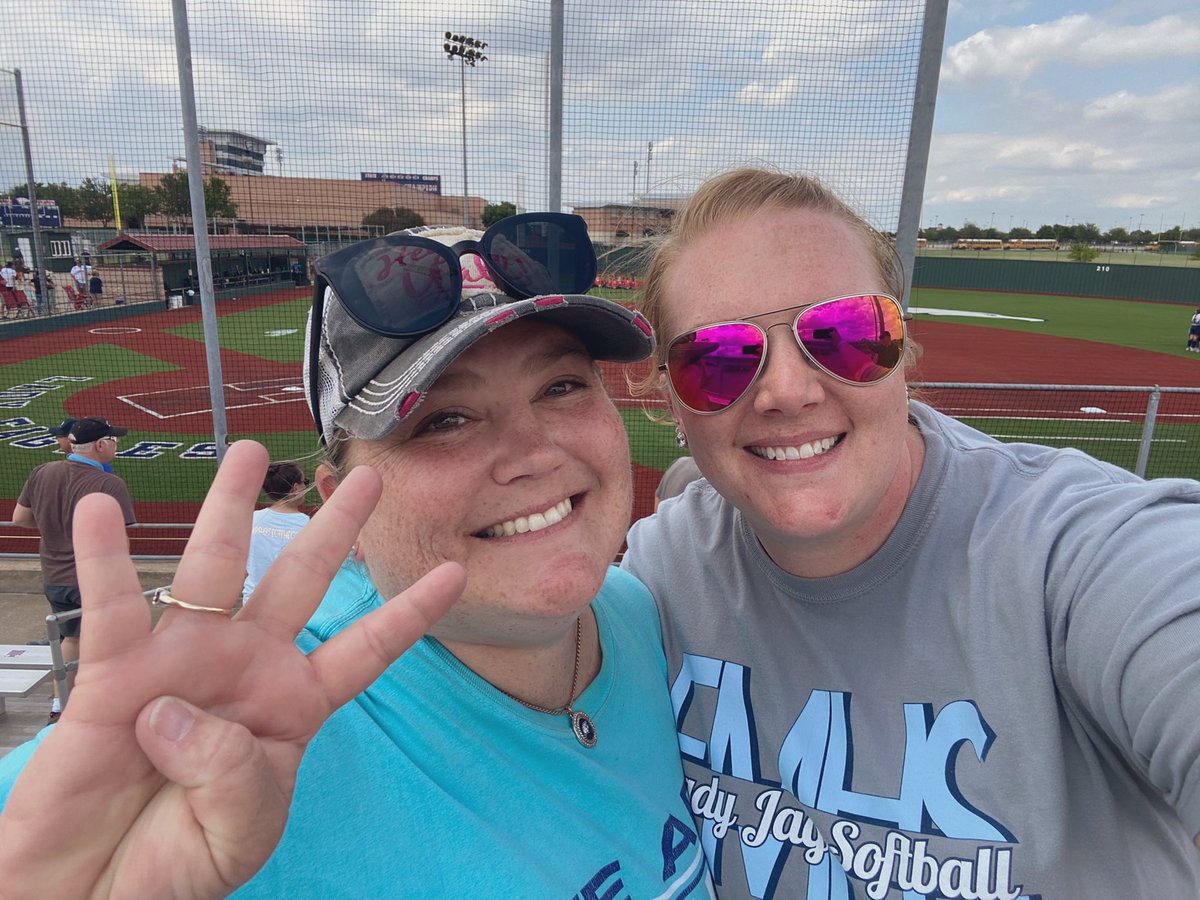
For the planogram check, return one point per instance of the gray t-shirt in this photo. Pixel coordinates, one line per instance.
(676, 478)
(1004, 701)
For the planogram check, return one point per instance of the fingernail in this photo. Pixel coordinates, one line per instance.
(171, 720)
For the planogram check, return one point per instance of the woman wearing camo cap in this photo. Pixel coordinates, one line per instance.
(524, 748)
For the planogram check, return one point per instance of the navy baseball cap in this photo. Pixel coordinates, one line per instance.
(84, 431)
(63, 430)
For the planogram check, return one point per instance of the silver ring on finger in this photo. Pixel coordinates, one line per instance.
(163, 598)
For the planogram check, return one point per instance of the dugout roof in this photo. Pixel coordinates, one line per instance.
(174, 243)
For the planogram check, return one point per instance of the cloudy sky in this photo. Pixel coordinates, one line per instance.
(1048, 110)
(1058, 110)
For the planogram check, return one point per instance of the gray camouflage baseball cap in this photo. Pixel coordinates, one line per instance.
(367, 384)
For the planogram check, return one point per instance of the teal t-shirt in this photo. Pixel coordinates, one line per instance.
(432, 783)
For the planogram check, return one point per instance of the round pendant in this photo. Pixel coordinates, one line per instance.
(584, 728)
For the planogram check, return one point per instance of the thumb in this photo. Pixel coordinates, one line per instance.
(231, 790)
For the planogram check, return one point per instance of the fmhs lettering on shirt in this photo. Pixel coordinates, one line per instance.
(927, 841)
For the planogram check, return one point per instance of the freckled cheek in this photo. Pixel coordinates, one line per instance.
(411, 531)
(608, 448)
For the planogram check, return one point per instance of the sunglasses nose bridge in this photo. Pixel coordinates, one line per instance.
(795, 344)
(781, 383)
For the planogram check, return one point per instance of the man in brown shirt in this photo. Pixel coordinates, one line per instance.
(47, 503)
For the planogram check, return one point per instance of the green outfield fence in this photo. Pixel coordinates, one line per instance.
(1161, 284)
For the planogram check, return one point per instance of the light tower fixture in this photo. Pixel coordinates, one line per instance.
(469, 52)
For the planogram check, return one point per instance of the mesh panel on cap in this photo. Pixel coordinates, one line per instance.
(329, 393)
(329, 382)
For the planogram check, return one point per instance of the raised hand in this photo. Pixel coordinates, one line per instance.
(171, 770)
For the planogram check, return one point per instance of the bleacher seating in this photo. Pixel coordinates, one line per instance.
(16, 304)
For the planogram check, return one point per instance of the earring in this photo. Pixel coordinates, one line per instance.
(680, 437)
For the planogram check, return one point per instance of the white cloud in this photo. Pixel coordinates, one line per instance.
(1174, 103)
(1134, 201)
(1014, 54)
(777, 95)
(975, 193)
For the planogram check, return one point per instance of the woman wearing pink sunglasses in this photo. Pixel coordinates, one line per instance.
(906, 660)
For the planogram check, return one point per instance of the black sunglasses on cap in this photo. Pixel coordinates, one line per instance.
(404, 285)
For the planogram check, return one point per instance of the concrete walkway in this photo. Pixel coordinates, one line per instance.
(23, 611)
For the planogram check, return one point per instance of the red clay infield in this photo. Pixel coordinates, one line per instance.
(973, 353)
(952, 352)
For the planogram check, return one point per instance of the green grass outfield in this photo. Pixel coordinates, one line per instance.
(1161, 327)
(254, 331)
(276, 333)
(1146, 326)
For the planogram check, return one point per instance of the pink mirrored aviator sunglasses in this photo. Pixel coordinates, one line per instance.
(857, 340)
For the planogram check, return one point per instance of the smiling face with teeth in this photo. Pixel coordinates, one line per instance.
(516, 465)
(820, 469)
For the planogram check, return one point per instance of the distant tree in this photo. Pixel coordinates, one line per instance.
(494, 212)
(175, 199)
(95, 200)
(137, 201)
(948, 233)
(1081, 252)
(1172, 234)
(217, 200)
(1087, 233)
(1020, 232)
(1117, 236)
(970, 230)
(1046, 231)
(60, 192)
(392, 219)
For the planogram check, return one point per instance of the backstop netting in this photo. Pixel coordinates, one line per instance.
(322, 124)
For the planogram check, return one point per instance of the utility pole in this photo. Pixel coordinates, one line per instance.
(649, 154)
(31, 187)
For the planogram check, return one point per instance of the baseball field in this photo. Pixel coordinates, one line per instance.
(148, 373)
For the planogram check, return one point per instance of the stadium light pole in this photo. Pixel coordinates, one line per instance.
(31, 186)
(649, 155)
(469, 52)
